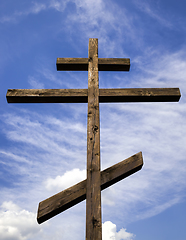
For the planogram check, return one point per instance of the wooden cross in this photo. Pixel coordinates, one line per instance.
(90, 189)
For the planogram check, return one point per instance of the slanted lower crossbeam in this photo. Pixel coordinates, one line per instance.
(77, 193)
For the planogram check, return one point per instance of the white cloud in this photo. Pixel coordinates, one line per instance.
(17, 223)
(67, 180)
(110, 233)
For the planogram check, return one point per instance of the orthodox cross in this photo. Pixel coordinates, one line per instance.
(90, 189)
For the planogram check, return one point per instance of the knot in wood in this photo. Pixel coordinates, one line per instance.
(95, 128)
(95, 222)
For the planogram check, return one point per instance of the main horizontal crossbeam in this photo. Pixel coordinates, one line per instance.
(77, 193)
(104, 64)
(81, 95)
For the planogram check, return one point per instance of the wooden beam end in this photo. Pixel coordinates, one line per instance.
(10, 95)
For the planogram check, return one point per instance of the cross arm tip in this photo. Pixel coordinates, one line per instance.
(8, 95)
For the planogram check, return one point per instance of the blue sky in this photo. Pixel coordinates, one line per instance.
(43, 146)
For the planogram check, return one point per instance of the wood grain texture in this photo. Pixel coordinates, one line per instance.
(81, 95)
(77, 193)
(47, 96)
(104, 64)
(93, 195)
(140, 95)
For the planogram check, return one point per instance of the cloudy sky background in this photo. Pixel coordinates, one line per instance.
(43, 146)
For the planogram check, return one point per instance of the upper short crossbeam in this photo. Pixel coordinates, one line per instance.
(104, 64)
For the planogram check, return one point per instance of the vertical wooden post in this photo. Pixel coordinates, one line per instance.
(93, 195)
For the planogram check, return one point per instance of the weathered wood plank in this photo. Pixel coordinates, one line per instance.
(104, 64)
(77, 193)
(81, 95)
(47, 96)
(93, 195)
(113, 64)
(140, 95)
(72, 64)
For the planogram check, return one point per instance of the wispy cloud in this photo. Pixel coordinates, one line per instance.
(96, 19)
(44, 134)
(35, 83)
(156, 129)
(14, 157)
(162, 68)
(101, 20)
(153, 12)
(34, 9)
